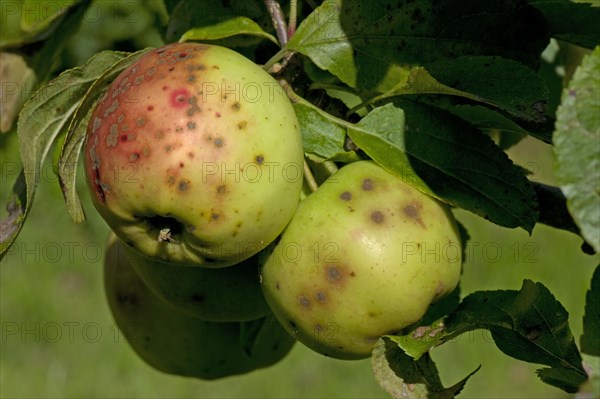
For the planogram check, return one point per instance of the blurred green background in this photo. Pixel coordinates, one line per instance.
(58, 339)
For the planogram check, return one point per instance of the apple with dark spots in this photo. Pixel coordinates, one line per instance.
(212, 294)
(178, 343)
(364, 256)
(194, 156)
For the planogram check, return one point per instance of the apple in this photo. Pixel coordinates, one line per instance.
(177, 343)
(223, 294)
(194, 156)
(364, 256)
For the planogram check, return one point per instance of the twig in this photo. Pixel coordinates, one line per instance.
(278, 19)
(293, 18)
(309, 178)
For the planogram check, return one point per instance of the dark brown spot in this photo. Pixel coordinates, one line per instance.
(242, 125)
(333, 274)
(277, 285)
(304, 302)
(260, 159)
(191, 125)
(367, 184)
(190, 155)
(411, 211)
(215, 216)
(236, 106)
(150, 108)
(222, 189)
(321, 297)
(219, 142)
(183, 185)
(346, 196)
(377, 217)
(181, 164)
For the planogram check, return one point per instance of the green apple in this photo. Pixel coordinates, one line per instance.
(364, 256)
(194, 156)
(177, 343)
(224, 294)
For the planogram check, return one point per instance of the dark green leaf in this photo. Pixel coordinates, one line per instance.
(21, 24)
(46, 114)
(107, 65)
(570, 21)
(445, 157)
(190, 14)
(492, 123)
(499, 82)
(406, 378)
(576, 147)
(224, 29)
(590, 339)
(529, 325)
(560, 378)
(43, 60)
(360, 42)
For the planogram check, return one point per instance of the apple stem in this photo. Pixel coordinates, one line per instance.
(273, 60)
(309, 178)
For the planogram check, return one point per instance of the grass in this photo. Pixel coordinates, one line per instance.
(59, 340)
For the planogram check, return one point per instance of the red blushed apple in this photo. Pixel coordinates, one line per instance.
(194, 156)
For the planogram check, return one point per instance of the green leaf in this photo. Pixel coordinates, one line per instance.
(107, 65)
(447, 158)
(43, 59)
(29, 21)
(37, 16)
(231, 27)
(403, 377)
(360, 42)
(590, 339)
(576, 147)
(572, 22)
(529, 325)
(203, 15)
(499, 82)
(43, 117)
(321, 134)
(493, 123)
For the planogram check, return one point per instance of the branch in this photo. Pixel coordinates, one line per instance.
(278, 19)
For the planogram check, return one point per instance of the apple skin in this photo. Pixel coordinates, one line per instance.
(364, 256)
(220, 295)
(177, 343)
(194, 156)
